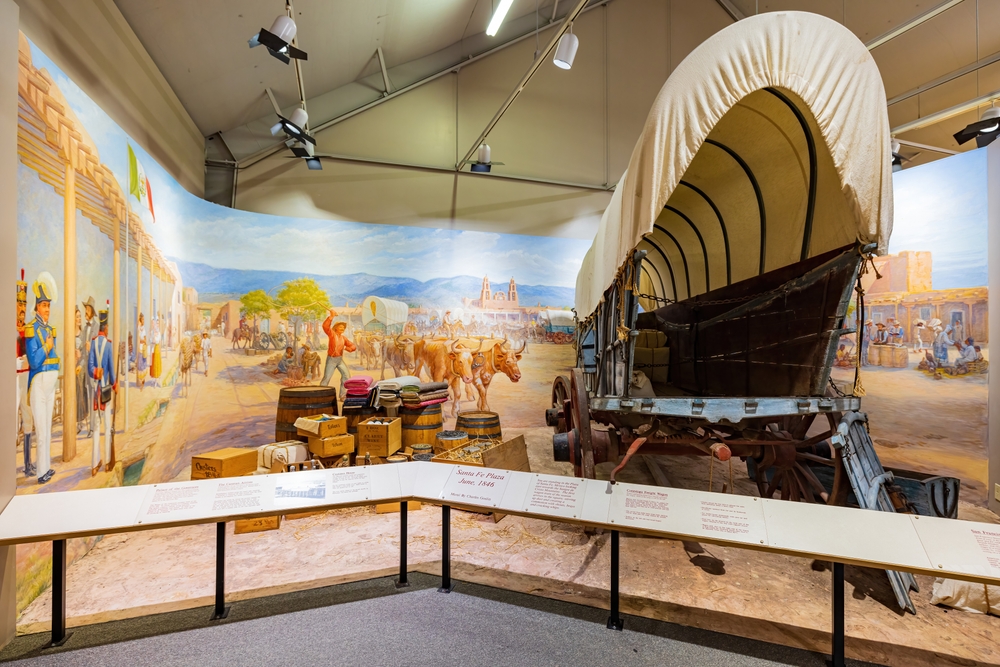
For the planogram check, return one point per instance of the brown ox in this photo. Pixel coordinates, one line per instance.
(370, 350)
(397, 351)
(498, 357)
(445, 361)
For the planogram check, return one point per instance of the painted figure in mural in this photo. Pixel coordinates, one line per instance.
(919, 331)
(286, 360)
(867, 336)
(196, 349)
(43, 374)
(881, 334)
(87, 333)
(310, 363)
(187, 360)
(206, 350)
(958, 331)
(339, 343)
(24, 411)
(895, 332)
(142, 354)
(101, 369)
(131, 353)
(942, 343)
(156, 362)
(82, 379)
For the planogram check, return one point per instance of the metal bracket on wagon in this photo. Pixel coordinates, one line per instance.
(735, 409)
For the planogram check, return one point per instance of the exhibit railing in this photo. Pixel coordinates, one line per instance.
(962, 550)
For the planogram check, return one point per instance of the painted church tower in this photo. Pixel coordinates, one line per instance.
(512, 292)
(485, 295)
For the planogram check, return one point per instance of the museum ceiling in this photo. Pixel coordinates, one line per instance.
(934, 55)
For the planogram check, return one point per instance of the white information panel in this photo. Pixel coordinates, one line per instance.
(181, 501)
(697, 514)
(596, 502)
(431, 478)
(960, 546)
(476, 486)
(385, 484)
(304, 488)
(843, 533)
(556, 496)
(517, 490)
(348, 485)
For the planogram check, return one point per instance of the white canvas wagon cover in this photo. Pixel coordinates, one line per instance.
(384, 311)
(768, 144)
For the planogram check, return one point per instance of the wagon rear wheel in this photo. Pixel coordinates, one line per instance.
(580, 410)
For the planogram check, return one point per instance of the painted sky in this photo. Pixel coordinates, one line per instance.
(192, 229)
(941, 207)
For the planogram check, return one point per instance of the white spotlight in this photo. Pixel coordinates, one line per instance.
(989, 114)
(484, 153)
(498, 17)
(566, 51)
(278, 40)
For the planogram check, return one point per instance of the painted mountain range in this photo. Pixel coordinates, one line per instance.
(216, 285)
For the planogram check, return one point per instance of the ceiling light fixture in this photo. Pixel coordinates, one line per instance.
(566, 50)
(482, 164)
(278, 40)
(498, 17)
(897, 158)
(294, 126)
(984, 130)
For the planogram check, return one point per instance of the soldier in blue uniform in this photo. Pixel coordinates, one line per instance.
(101, 369)
(43, 375)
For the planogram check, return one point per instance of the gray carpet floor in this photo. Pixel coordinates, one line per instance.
(373, 624)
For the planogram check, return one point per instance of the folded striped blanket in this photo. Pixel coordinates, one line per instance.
(395, 384)
(424, 404)
(424, 387)
(429, 396)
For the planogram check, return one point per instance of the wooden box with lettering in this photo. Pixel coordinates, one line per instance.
(321, 426)
(228, 462)
(257, 525)
(380, 436)
(335, 445)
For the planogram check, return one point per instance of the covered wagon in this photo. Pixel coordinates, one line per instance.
(385, 315)
(713, 298)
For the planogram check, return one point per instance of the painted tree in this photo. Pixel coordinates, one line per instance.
(302, 300)
(256, 304)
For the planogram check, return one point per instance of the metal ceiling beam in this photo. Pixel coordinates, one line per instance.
(731, 9)
(950, 76)
(271, 150)
(911, 24)
(524, 80)
(926, 147)
(432, 169)
(945, 114)
(385, 74)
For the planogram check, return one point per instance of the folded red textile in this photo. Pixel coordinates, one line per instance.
(425, 403)
(358, 380)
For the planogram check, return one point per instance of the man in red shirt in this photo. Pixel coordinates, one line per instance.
(335, 351)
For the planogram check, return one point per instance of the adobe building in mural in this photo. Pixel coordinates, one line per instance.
(906, 292)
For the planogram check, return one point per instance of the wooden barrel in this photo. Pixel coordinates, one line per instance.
(423, 451)
(447, 440)
(396, 458)
(874, 356)
(421, 425)
(480, 425)
(354, 417)
(295, 402)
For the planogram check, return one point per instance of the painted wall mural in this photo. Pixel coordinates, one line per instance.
(255, 289)
(211, 312)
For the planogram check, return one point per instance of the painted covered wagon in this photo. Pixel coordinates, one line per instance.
(714, 296)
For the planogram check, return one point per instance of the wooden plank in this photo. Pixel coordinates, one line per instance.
(511, 455)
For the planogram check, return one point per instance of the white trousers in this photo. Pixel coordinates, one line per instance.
(43, 400)
(22, 403)
(101, 417)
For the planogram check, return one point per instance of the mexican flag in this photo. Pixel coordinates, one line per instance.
(138, 184)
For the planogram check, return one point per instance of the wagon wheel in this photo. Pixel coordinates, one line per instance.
(793, 477)
(580, 410)
(264, 341)
(279, 341)
(560, 394)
